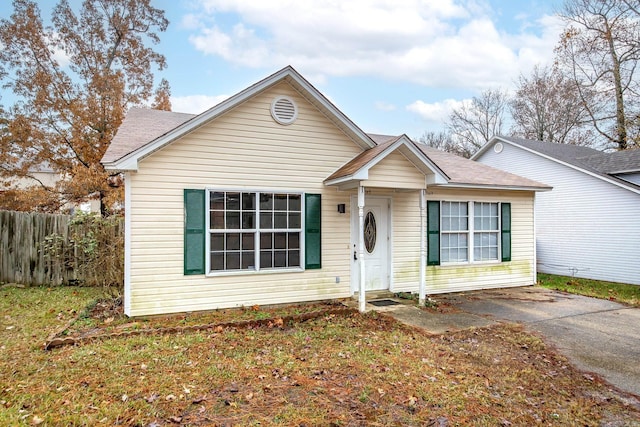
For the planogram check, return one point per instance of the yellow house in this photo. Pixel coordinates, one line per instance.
(275, 196)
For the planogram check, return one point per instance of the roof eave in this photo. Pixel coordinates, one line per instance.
(624, 172)
(603, 177)
(492, 187)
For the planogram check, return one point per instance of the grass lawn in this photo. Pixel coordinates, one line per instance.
(627, 294)
(340, 370)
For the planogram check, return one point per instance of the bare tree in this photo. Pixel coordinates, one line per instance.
(600, 49)
(548, 107)
(476, 122)
(444, 141)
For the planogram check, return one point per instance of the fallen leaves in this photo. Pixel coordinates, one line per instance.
(346, 370)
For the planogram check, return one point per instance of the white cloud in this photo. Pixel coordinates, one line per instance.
(195, 104)
(444, 43)
(436, 112)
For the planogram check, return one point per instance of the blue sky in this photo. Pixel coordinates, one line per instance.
(392, 66)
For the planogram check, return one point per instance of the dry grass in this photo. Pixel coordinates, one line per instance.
(338, 370)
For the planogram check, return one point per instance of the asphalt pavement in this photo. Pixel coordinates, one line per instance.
(598, 336)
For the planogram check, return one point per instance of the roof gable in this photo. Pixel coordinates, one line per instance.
(587, 160)
(357, 169)
(440, 168)
(135, 145)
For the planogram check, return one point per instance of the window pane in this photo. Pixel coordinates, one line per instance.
(233, 201)
(216, 200)
(446, 208)
(217, 242)
(217, 261)
(493, 253)
(216, 220)
(233, 260)
(280, 220)
(280, 202)
(248, 201)
(233, 220)
(266, 240)
(294, 241)
(248, 220)
(266, 220)
(280, 240)
(294, 202)
(446, 223)
(236, 211)
(266, 201)
(493, 223)
(248, 260)
(248, 241)
(294, 220)
(233, 241)
(294, 259)
(279, 259)
(463, 208)
(266, 259)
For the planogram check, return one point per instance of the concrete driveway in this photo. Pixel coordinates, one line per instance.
(596, 335)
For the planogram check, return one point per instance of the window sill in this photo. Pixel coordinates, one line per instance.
(470, 264)
(254, 272)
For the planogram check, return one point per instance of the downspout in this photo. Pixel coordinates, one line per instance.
(361, 294)
(423, 248)
(127, 243)
(535, 243)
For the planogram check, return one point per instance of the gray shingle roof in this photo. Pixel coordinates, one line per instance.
(616, 162)
(463, 171)
(594, 161)
(140, 127)
(460, 171)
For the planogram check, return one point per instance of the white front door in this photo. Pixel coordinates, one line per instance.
(377, 259)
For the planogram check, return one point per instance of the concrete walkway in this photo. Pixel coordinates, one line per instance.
(596, 335)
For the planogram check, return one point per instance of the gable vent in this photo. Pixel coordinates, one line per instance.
(284, 110)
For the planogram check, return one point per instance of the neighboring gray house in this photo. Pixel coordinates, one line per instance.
(589, 225)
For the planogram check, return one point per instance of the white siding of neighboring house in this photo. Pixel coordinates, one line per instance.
(585, 226)
(244, 149)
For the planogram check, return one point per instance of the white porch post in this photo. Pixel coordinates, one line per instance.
(423, 248)
(361, 294)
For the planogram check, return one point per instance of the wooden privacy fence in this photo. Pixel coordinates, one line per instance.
(46, 249)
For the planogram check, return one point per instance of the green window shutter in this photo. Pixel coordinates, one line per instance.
(194, 231)
(433, 232)
(312, 231)
(505, 231)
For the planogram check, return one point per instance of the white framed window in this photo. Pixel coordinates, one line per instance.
(486, 229)
(454, 245)
(254, 230)
(469, 231)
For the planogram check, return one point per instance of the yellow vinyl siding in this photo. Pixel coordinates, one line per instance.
(517, 272)
(243, 149)
(406, 241)
(395, 171)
